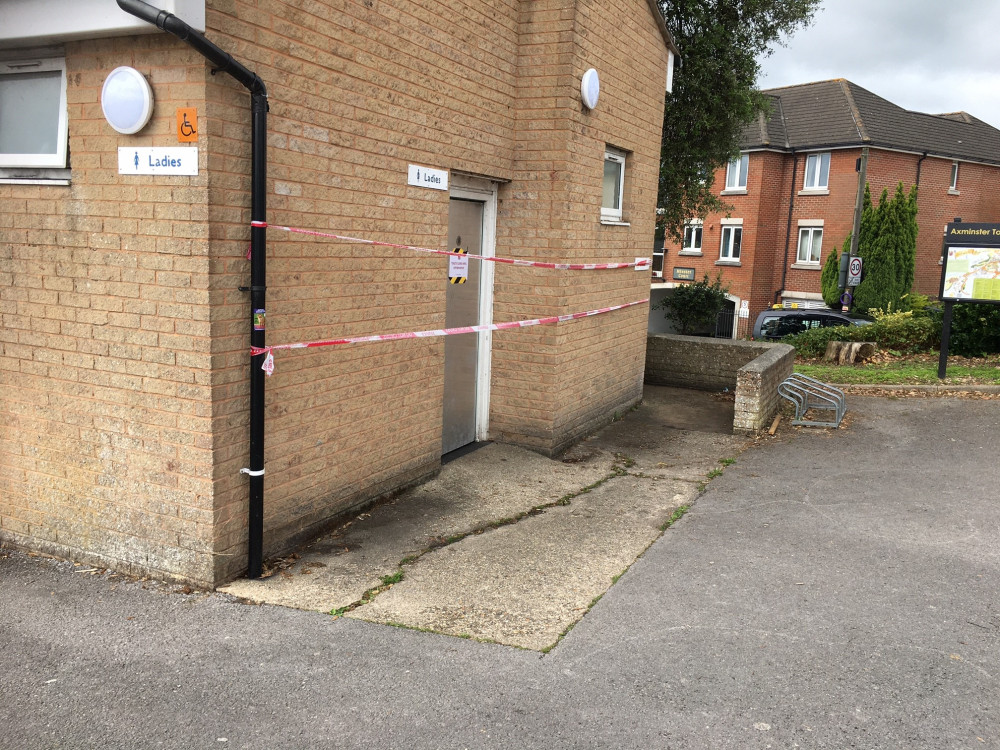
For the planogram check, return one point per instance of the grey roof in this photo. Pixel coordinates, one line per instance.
(838, 113)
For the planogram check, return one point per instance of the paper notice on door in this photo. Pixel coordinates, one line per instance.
(458, 266)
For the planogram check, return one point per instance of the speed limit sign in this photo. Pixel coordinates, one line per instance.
(854, 271)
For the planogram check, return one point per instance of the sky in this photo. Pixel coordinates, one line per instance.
(924, 55)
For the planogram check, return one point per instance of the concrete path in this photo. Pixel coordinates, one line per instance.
(507, 545)
(830, 590)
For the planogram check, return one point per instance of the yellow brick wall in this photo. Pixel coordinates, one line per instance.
(578, 374)
(129, 362)
(105, 368)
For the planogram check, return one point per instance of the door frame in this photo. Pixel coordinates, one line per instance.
(484, 191)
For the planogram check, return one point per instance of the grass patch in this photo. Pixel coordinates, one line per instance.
(903, 371)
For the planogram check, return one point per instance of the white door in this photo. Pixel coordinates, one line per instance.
(471, 227)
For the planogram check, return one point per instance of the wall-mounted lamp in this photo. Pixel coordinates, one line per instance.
(127, 100)
(590, 88)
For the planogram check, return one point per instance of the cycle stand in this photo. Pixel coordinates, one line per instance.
(808, 393)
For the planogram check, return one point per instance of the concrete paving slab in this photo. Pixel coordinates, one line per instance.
(506, 585)
(525, 584)
(489, 485)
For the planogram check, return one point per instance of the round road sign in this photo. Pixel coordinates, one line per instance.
(855, 268)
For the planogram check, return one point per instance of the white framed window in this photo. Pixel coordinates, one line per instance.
(736, 172)
(613, 186)
(732, 240)
(692, 237)
(33, 119)
(953, 187)
(810, 245)
(817, 172)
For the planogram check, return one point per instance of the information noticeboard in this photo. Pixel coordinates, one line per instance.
(971, 263)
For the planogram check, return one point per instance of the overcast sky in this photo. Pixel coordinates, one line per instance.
(925, 55)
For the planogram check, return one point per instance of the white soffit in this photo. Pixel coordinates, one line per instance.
(25, 23)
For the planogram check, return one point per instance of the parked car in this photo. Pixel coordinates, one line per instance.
(776, 324)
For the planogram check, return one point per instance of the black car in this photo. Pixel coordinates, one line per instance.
(776, 324)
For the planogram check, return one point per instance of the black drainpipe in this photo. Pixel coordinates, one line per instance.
(788, 229)
(225, 63)
(919, 164)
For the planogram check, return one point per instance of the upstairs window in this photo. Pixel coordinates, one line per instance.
(613, 185)
(33, 121)
(736, 172)
(817, 172)
(953, 187)
(732, 239)
(692, 237)
(810, 245)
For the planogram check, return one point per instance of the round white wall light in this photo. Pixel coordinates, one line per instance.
(590, 88)
(127, 100)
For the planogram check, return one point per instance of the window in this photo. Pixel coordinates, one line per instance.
(33, 126)
(817, 171)
(613, 185)
(810, 245)
(732, 238)
(692, 237)
(736, 173)
(953, 188)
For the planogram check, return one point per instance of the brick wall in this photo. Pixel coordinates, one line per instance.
(357, 92)
(125, 335)
(752, 370)
(551, 210)
(106, 449)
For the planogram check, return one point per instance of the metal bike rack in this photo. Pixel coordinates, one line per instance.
(808, 393)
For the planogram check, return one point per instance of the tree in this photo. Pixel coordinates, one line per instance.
(693, 308)
(714, 94)
(887, 243)
(830, 277)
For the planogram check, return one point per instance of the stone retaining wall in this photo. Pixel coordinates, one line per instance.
(753, 369)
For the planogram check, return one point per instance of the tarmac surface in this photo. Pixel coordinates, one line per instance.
(830, 589)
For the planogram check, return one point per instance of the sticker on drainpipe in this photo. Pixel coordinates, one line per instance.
(258, 320)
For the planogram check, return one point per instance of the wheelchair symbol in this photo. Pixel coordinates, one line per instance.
(187, 124)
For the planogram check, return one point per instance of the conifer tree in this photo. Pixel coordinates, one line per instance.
(830, 277)
(887, 244)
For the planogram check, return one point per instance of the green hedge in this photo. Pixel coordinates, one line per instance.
(975, 329)
(900, 332)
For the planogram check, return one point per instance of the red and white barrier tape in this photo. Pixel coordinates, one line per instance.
(640, 263)
(268, 364)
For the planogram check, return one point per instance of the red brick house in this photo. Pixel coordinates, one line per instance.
(793, 187)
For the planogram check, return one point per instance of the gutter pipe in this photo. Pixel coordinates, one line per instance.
(788, 228)
(920, 163)
(225, 63)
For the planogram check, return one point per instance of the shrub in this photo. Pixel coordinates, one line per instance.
(830, 277)
(694, 307)
(901, 332)
(975, 329)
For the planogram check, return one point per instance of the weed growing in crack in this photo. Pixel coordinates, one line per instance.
(626, 461)
(386, 582)
(714, 473)
(675, 516)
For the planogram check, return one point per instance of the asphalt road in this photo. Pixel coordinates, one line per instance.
(829, 590)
